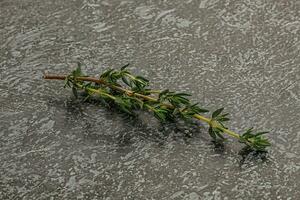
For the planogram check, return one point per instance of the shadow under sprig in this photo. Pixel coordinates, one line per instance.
(250, 155)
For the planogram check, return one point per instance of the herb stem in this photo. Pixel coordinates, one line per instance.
(96, 91)
(229, 132)
(216, 125)
(131, 93)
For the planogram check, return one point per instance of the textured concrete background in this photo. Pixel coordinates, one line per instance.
(243, 55)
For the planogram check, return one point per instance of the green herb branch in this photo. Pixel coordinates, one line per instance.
(130, 93)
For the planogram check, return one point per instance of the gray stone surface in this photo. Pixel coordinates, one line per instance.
(243, 55)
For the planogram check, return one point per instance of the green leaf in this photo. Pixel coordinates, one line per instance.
(77, 72)
(261, 133)
(220, 135)
(163, 93)
(248, 132)
(124, 104)
(181, 99)
(124, 67)
(197, 109)
(125, 109)
(106, 73)
(74, 90)
(183, 94)
(212, 133)
(124, 79)
(142, 80)
(222, 125)
(217, 112)
(224, 115)
(67, 82)
(160, 116)
(86, 98)
(225, 119)
(255, 141)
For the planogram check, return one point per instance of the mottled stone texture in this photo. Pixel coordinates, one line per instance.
(243, 55)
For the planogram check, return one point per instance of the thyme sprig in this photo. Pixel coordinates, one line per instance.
(130, 93)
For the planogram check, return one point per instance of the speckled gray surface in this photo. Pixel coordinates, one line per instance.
(243, 55)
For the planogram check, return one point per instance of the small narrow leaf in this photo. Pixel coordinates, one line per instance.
(212, 133)
(67, 82)
(74, 90)
(106, 73)
(225, 119)
(124, 67)
(124, 79)
(261, 133)
(142, 79)
(217, 112)
(183, 94)
(219, 134)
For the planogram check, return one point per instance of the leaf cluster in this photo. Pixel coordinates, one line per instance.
(163, 114)
(71, 80)
(192, 109)
(217, 120)
(219, 117)
(180, 104)
(255, 141)
(127, 104)
(136, 83)
(175, 99)
(216, 133)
